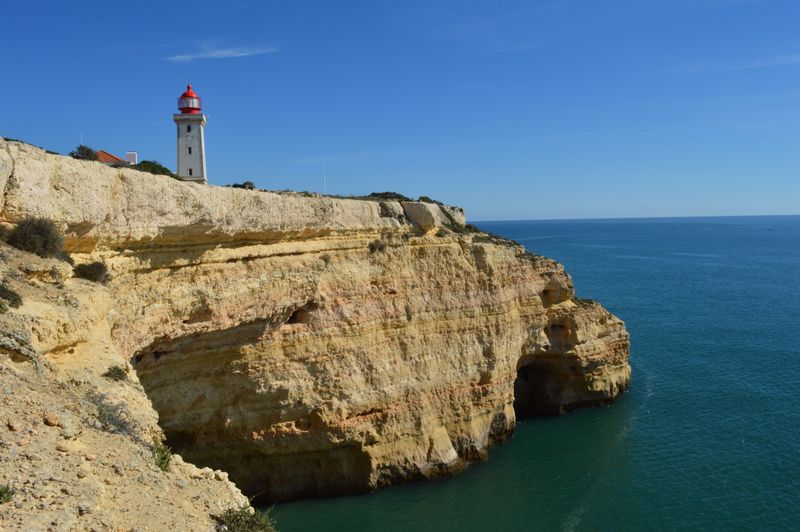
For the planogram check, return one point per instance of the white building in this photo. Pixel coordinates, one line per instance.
(191, 124)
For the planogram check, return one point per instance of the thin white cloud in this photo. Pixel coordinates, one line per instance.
(769, 62)
(781, 60)
(209, 52)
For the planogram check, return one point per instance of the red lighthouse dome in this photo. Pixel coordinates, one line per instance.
(189, 102)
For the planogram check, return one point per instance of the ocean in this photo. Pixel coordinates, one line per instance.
(708, 435)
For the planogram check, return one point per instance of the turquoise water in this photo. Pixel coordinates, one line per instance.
(708, 435)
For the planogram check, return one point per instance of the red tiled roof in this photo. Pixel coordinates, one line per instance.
(107, 158)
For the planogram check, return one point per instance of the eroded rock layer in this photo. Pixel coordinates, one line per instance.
(314, 346)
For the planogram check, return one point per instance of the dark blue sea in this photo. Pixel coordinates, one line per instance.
(708, 435)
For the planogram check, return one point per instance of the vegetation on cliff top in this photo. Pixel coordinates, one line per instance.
(29, 144)
(247, 185)
(150, 167)
(83, 153)
(153, 167)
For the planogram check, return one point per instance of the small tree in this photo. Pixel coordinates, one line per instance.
(84, 153)
(37, 235)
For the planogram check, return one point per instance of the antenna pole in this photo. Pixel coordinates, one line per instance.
(324, 177)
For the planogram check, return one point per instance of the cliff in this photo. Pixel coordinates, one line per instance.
(311, 346)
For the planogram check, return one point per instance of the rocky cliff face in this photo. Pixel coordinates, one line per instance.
(76, 443)
(313, 346)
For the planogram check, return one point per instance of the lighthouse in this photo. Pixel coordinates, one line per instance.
(191, 124)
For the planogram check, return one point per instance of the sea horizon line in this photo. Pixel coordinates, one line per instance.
(637, 218)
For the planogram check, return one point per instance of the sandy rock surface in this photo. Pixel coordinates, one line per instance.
(77, 446)
(305, 346)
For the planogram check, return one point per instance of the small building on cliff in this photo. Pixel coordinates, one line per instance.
(105, 157)
(109, 158)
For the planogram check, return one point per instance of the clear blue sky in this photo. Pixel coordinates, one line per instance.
(513, 109)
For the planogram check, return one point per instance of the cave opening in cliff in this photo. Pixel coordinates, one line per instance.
(527, 392)
(182, 376)
(302, 314)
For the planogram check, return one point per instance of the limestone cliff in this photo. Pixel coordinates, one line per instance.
(313, 346)
(75, 443)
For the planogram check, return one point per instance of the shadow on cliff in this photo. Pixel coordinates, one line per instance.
(216, 412)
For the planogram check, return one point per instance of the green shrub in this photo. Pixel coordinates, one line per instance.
(6, 493)
(84, 153)
(241, 520)
(390, 196)
(95, 271)
(162, 455)
(12, 298)
(38, 235)
(426, 199)
(116, 373)
(247, 185)
(4, 233)
(153, 167)
(3, 307)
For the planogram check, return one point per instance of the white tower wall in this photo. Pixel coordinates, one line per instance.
(191, 147)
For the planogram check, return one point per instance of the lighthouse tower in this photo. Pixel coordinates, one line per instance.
(191, 124)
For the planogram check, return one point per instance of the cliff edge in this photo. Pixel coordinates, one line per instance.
(310, 345)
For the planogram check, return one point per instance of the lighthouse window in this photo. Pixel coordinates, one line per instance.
(190, 171)
(190, 149)
(188, 129)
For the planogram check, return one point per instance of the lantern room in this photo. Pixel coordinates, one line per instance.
(189, 102)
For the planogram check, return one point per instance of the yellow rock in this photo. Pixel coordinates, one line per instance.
(277, 344)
